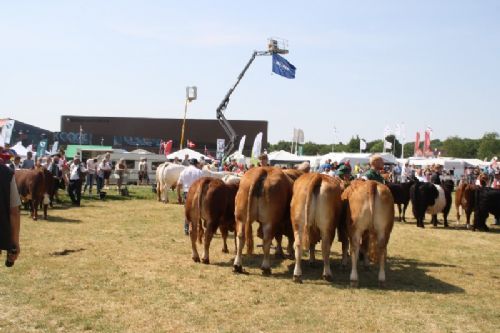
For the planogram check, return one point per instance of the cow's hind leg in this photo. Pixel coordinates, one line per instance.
(240, 241)
(279, 248)
(268, 238)
(223, 231)
(355, 239)
(326, 245)
(399, 212)
(382, 250)
(405, 205)
(297, 272)
(209, 233)
(194, 235)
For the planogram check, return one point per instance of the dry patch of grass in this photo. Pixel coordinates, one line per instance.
(125, 266)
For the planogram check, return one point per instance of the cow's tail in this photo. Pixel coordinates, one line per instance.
(248, 222)
(310, 194)
(199, 207)
(372, 241)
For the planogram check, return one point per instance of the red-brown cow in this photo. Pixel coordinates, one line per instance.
(369, 218)
(464, 198)
(264, 196)
(31, 185)
(316, 210)
(209, 205)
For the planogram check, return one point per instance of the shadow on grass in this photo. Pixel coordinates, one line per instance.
(406, 275)
(58, 219)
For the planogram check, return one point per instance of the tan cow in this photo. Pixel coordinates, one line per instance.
(316, 210)
(369, 219)
(264, 196)
(209, 205)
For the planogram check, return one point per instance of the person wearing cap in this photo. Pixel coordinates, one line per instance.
(187, 177)
(76, 176)
(10, 218)
(344, 173)
(376, 165)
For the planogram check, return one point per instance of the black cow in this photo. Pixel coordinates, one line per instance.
(401, 194)
(487, 201)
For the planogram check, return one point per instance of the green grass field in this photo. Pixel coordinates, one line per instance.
(124, 265)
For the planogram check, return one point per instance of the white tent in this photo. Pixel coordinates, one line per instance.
(285, 157)
(186, 151)
(240, 158)
(20, 149)
(354, 158)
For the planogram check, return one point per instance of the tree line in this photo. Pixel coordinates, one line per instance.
(484, 148)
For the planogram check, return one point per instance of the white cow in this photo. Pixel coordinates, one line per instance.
(168, 174)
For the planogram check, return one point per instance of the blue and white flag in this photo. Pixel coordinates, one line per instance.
(282, 67)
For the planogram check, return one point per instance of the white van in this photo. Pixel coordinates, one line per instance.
(132, 161)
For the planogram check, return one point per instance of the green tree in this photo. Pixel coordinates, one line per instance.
(281, 145)
(489, 146)
(375, 146)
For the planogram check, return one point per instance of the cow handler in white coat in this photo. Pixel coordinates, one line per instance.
(187, 177)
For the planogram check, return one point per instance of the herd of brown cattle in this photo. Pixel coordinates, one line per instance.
(311, 207)
(306, 207)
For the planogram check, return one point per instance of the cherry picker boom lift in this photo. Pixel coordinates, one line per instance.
(275, 45)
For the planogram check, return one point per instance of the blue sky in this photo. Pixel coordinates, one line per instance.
(361, 65)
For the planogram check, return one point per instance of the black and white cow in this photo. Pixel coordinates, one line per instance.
(431, 199)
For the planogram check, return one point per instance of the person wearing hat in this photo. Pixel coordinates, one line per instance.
(376, 165)
(10, 218)
(187, 177)
(344, 173)
(76, 176)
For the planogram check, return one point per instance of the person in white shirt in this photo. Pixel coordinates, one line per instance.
(76, 175)
(187, 177)
(143, 171)
(103, 169)
(91, 174)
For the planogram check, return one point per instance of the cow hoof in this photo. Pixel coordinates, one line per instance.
(381, 284)
(205, 261)
(468, 226)
(297, 279)
(34, 218)
(404, 221)
(196, 259)
(238, 269)
(354, 284)
(225, 251)
(420, 226)
(266, 271)
(328, 278)
(446, 226)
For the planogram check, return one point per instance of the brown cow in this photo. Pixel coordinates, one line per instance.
(315, 212)
(464, 198)
(264, 196)
(31, 185)
(369, 218)
(209, 205)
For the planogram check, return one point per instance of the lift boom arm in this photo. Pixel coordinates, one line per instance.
(223, 105)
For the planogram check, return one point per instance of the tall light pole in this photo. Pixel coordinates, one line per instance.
(334, 138)
(191, 94)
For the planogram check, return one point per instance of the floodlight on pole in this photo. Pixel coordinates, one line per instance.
(191, 95)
